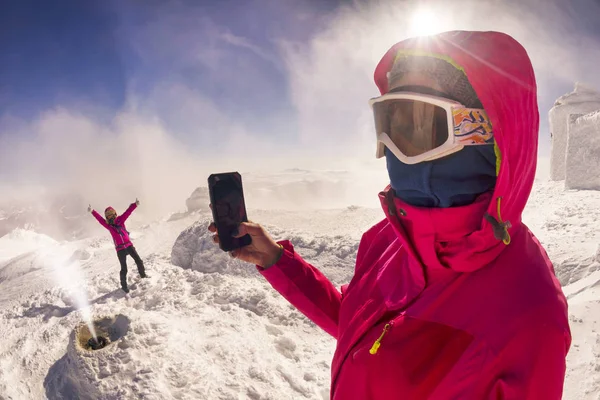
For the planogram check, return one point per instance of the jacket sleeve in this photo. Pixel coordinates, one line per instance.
(122, 218)
(533, 366)
(306, 288)
(101, 220)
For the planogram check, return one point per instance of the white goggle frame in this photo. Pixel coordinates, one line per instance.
(466, 127)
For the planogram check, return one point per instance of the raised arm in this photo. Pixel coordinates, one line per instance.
(101, 220)
(304, 286)
(123, 217)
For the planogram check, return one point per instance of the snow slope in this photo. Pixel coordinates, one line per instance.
(212, 328)
(190, 335)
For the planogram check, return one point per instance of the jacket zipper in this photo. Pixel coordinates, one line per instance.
(377, 343)
(392, 211)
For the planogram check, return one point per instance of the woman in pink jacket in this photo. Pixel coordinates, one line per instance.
(453, 297)
(116, 226)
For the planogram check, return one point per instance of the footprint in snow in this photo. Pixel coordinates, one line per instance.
(286, 347)
(273, 330)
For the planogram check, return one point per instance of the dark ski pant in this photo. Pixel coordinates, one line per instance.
(122, 254)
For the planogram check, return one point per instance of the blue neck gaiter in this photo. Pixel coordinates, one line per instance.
(451, 181)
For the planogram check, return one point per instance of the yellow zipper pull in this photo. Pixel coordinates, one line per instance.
(377, 343)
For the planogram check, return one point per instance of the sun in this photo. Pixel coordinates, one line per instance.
(423, 23)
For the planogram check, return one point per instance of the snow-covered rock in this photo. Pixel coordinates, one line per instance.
(194, 241)
(194, 249)
(582, 100)
(199, 200)
(582, 169)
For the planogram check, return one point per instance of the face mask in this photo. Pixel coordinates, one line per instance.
(452, 181)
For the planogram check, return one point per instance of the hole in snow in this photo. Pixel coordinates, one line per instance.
(97, 344)
(108, 330)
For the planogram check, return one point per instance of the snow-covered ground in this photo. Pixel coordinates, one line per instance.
(212, 328)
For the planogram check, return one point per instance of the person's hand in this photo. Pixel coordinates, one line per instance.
(137, 202)
(90, 208)
(263, 250)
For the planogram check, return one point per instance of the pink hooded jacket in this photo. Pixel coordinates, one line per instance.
(439, 307)
(117, 229)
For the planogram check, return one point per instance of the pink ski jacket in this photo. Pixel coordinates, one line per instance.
(449, 303)
(117, 229)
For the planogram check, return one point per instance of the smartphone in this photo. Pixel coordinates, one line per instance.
(228, 208)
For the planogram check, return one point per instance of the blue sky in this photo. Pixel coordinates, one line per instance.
(246, 76)
(91, 54)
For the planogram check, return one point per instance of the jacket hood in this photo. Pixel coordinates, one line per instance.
(502, 75)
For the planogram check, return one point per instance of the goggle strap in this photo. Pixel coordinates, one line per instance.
(472, 127)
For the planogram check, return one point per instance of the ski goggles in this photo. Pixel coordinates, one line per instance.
(417, 127)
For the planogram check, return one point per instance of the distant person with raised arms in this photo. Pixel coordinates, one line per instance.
(116, 226)
(452, 297)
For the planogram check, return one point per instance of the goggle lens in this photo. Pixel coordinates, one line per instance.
(415, 127)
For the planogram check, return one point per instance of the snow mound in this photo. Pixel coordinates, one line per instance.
(581, 101)
(79, 374)
(26, 236)
(199, 200)
(80, 255)
(583, 152)
(194, 249)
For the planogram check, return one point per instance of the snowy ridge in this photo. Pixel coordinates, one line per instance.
(206, 326)
(21, 241)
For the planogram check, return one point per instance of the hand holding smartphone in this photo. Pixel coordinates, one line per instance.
(228, 208)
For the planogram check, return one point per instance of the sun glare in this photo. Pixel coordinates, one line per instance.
(423, 23)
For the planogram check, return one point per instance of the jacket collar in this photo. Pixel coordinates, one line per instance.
(443, 237)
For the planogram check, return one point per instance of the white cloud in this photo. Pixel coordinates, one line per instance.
(331, 76)
(170, 137)
(239, 41)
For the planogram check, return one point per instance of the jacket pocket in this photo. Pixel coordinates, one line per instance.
(408, 355)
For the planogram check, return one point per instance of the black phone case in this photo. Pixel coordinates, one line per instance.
(224, 222)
